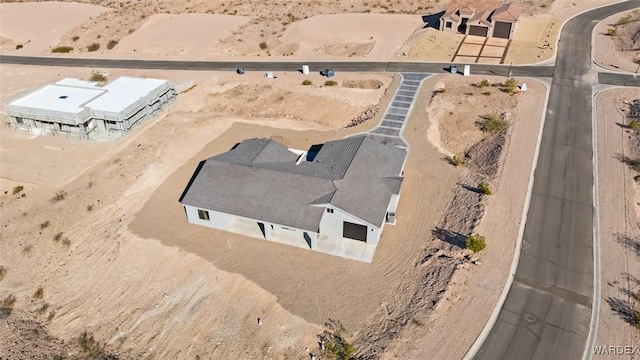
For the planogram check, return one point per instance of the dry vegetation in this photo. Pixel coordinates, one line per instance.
(270, 19)
(626, 34)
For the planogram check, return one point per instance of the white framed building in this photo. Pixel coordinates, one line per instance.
(85, 109)
(333, 198)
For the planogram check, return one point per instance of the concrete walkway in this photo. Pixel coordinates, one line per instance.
(395, 116)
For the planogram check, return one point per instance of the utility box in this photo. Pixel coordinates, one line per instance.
(467, 70)
(453, 69)
(269, 75)
(327, 72)
(523, 87)
(305, 69)
(240, 70)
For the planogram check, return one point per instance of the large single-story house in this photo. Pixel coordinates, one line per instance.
(482, 18)
(334, 197)
(85, 109)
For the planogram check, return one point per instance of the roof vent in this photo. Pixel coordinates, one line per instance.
(62, 97)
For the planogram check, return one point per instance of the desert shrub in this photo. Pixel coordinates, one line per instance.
(42, 309)
(484, 189)
(111, 44)
(493, 123)
(487, 93)
(334, 344)
(442, 90)
(90, 207)
(625, 20)
(57, 237)
(75, 38)
(38, 294)
(19, 46)
(3, 272)
(59, 196)
(62, 49)
(634, 125)
(6, 306)
(44, 224)
(307, 82)
(51, 315)
(635, 318)
(97, 76)
(612, 32)
(469, 93)
(330, 83)
(263, 45)
(456, 160)
(475, 243)
(17, 189)
(510, 85)
(66, 242)
(27, 248)
(484, 83)
(93, 47)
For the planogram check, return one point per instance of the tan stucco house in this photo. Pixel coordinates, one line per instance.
(481, 18)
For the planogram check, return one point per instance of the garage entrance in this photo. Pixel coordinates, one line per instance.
(354, 231)
(478, 30)
(502, 30)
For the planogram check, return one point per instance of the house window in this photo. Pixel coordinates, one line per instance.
(448, 24)
(330, 211)
(203, 214)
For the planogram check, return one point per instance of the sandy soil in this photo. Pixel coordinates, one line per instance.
(42, 31)
(304, 30)
(617, 52)
(619, 197)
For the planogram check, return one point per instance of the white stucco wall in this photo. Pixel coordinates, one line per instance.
(332, 225)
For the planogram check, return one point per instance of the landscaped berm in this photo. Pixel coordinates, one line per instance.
(334, 198)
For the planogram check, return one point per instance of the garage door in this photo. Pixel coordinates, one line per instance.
(354, 231)
(502, 30)
(478, 30)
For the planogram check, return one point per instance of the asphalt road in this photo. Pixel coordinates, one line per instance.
(547, 312)
(359, 66)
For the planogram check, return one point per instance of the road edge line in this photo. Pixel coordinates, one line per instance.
(473, 350)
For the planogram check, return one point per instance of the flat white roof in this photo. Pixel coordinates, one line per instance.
(123, 92)
(77, 82)
(62, 98)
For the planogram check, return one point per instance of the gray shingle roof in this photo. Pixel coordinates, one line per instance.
(259, 179)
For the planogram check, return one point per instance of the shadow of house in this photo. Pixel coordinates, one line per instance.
(432, 21)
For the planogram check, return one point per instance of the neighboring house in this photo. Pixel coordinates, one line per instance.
(481, 18)
(85, 109)
(334, 198)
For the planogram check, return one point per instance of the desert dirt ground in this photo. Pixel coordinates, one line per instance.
(614, 39)
(619, 200)
(124, 249)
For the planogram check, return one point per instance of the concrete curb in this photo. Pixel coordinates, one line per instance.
(473, 350)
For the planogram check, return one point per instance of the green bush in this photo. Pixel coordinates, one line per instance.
(62, 49)
(263, 45)
(493, 123)
(634, 125)
(93, 47)
(17, 189)
(456, 160)
(330, 83)
(475, 243)
(612, 32)
(336, 347)
(38, 294)
(484, 83)
(3, 272)
(625, 20)
(75, 38)
(484, 189)
(307, 82)
(111, 44)
(510, 85)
